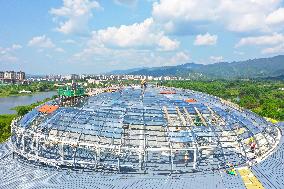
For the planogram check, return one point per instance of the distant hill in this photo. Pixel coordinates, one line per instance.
(256, 68)
(121, 72)
(280, 77)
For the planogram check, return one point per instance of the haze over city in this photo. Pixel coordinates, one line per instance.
(84, 36)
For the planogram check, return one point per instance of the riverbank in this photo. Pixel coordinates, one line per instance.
(8, 103)
(6, 119)
(23, 94)
(33, 88)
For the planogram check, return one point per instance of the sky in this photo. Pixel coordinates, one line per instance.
(97, 36)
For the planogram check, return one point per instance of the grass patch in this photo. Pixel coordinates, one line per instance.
(5, 126)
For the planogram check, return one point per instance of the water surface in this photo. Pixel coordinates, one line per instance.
(6, 103)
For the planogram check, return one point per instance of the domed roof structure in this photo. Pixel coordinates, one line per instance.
(160, 130)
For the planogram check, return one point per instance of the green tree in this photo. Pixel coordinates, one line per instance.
(22, 110)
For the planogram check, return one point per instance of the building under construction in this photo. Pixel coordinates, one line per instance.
(159, 130)
(70, 95)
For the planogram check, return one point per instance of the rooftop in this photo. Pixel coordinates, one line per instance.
(160, 138)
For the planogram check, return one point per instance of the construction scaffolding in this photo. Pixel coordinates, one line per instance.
(160, 133)
(70, 95)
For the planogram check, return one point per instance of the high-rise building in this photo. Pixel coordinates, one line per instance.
(1, 75)
(12, 76)
(75, 76)
(9, 75)
(20, 76)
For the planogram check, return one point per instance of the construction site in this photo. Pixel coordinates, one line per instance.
(160, 130)
(143, 130)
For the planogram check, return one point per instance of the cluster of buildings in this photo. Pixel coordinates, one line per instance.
(16, 77)
(101, 78)
(86, 79)
(135, 77)
(56, 78)
(12, 76)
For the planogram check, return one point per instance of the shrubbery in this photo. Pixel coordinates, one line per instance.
(14, 89)
(5, 128)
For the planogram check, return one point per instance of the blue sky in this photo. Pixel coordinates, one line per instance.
(96, 36)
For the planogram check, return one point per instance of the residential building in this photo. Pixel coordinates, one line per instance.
(20, 76)
(9, 75)
(1, 75)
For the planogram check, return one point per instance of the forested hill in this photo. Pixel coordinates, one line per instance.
(256, 68)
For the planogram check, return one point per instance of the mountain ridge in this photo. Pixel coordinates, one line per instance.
(252, 68)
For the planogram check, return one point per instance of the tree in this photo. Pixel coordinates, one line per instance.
(22, 110)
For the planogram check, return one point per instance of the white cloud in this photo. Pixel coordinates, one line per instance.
(41, 41)
(216, 59)
(8, 54)
(77, 14)
(126, 2)
(274, 50)
(59, 49)
(16, 46)
(237, 16)
(273, 43)
(138, 35)
(175, 15)
(239, 53)
(5, 50)
(167, 44)
(8, 58)
(276, 17)
(149, 41)
(184, 10)
(48, 56)
(273, 39)
(180, 58)
(246, 15)
(131, 58)
(69, 41)
(125, 58)
(205, 39)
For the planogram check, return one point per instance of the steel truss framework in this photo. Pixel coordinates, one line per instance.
(131, 131)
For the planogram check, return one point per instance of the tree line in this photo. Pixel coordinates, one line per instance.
(14, 89)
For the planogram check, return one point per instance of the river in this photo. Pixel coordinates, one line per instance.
(6, 103)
